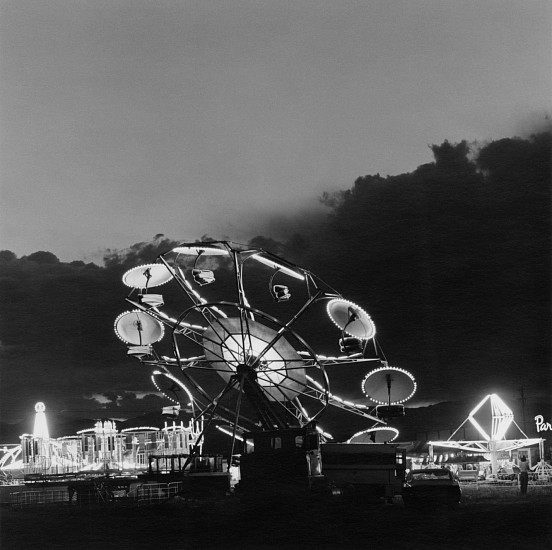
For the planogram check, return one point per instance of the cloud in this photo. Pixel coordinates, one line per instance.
(138, 253)
(451, 261)
(537, 122)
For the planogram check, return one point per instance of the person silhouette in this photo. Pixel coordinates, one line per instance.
(523, 475)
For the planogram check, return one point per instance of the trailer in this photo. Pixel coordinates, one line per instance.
(364, 470)
(283, 463)
(294, 462)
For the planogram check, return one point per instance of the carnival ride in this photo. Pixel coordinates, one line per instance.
(494, 444)
(244, 361)
(10, 461)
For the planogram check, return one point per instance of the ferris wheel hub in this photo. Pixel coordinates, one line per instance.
(258, 350)
(243, 369)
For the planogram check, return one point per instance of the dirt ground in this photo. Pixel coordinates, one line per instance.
(484, 520)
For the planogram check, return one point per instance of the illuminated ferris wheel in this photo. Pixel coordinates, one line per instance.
(236, 318)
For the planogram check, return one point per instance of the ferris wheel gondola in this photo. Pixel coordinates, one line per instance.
(389, 387)
(147, 276)
(138, 328)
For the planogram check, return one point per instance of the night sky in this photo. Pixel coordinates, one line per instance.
(401, 151)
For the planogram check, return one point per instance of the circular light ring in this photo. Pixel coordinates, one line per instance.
(196, 249)
(407, 385)
(362, 327)
(138, 328)
(173, 379)
(147, 276)
(382, 434)
(86, 430)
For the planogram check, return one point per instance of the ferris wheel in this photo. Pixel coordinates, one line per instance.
(236, 350)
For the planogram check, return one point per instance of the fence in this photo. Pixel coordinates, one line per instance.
(534, 480)
(146, 493)
(152, 493)
(44, 496)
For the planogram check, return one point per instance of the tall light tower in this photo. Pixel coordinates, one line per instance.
(41, 435)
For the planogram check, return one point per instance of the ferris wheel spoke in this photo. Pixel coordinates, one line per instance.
(204, 394)
(270, 384)
(288, 389)
(236, 418)
(285, 366)
(221, 340)
(213, 405)
(206, 399)
(268, 347)
(215, 325)
(188, 335)
(286, 328)
(245, 313)
(209, 368)
(284, 404)
(206, 366)
(265, 375)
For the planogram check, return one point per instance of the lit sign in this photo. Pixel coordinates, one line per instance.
(542, 426)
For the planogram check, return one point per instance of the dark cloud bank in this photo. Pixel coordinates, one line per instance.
(452, 261)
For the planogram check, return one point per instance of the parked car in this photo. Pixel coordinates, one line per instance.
(507, 474)
(431, 487)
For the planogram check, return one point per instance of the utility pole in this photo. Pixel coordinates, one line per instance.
(523, 399)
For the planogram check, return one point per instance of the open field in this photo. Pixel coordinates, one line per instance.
(488, 518)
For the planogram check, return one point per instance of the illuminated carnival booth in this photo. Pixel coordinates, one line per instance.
(101, 449)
